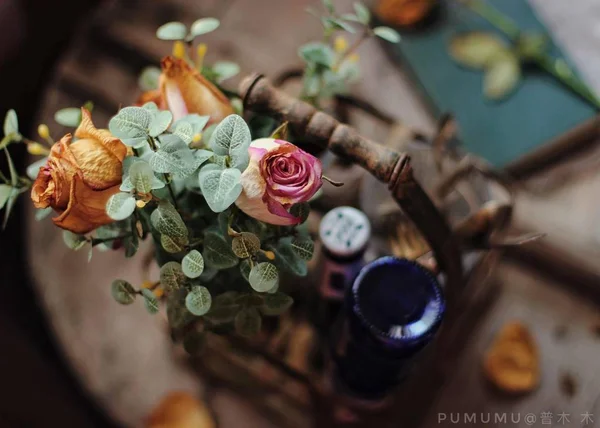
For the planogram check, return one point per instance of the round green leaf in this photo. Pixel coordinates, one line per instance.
(171, 276)
(245, 245)
(11, 123)
(73, 241)
(131, 124)
(232, 137)
(150, 301)
(167, 221)
(184, 130)
(362, 13)
(301, 210)
(248, 322)
(220, 187)
(287, 259)
(304, 247)
(475, 49)
(193, 264)
(276, 304)
(502, 75)
(160, 123)
(217, 252)
(225, 69)
(172, 245)
(177, 314)
(387, 33)
(263, 277)
(120, 206)
(203, 26)
(172, 31)
(148, 79)
(198, 300)
(141, 176)
(70, 117)
(122, 291)
(317, 53)
(194, 342)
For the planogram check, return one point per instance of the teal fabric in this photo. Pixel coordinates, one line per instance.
(501, 132)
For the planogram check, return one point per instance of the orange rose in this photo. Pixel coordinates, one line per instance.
(80, 176)
(183, 90)
(180, 410)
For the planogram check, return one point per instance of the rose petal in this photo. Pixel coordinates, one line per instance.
(257, 209)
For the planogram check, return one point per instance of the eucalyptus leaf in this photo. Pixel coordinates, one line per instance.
(328, 5)
(34, 169)
(248, 322)
(301, 210)
(131, 124)
(224, 308)
(318, 53)
(338, 24)
(198, 300)
(387, 33)
(160, 123)
(43, 213)
(70, 117)
(167, 221)
(74, 241)
(5, 191)
(245, 245)
(217, 252)
(184, 130)
(475, 49)
(287, 259)
(276, 304)
(203, 26)
(148, 79)
(304, 247)
(14, 194)
(123, 292)
(263, 277)
(193, 264)
(225, 70)
(172, 31)
(172, 245)
(220, 187)
(502, 75)
(194, 342)
(177, 314)
(120, 206)
(11, 123)
(362, 13)
(142, 177)
(198, 122)
(232, 137)
(150, 301)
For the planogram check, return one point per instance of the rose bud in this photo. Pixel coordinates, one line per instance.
(278, 176)
(80, 176)
(183, 90)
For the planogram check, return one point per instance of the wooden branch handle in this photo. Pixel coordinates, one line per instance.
(389, 166)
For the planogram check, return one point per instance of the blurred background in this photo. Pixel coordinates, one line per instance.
(72, 357)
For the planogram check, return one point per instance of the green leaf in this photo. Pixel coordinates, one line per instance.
(362, 13)
(475, 49)
(301, 210)
(502, 76)
(142, 177)
(245, 268)
(184, 130)
(338, 24)
(220, 187)
(5, 191)
(160, 123)
(194, 342)
(276, 304)
(198, 300)
(328, 5)
(34, 169)
(387, 33)
(203, 26)
(532, 45)
(172, 31)
(248, 322)
(172, 276)
(167, 221)
(70, 117)
(198, 122)
(131, 125)
(150, 301)
(73, 241)
(281, 133)
(287, 259)
(304, 247)
(232, 137)
(217, 252)
(120, 206)
(11, 123)
(123, 292)
(225, 70)
(318, 53)
(177, 314)
(223, 308)
(193, 264)
(175, 157)
(148, 79)
(173, 245)
(131, 243)
(263, 277)
(245, 245)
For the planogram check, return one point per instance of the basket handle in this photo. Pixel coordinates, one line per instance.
(387, 165)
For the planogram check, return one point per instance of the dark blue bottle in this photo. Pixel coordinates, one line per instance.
(391, 312)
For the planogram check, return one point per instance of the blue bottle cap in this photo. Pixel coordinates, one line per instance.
(398, 301)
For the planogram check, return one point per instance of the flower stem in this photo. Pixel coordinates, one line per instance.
(558, 68)
(365, 34)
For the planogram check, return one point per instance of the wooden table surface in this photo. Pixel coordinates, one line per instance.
(103, 64)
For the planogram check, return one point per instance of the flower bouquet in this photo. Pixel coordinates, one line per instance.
(223, 196)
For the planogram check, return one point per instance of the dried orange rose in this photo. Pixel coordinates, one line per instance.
(404, 12)
(512, 363)
(80, 176)
(180, 410)
(183, 90)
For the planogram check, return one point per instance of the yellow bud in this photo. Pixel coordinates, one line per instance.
(43, 131)
(200, 54)
(140, 204)
(340, 44)
(178, 49)
(269, 255)
(147, 284)
(197, 138)
(37, 149)
(353, 58)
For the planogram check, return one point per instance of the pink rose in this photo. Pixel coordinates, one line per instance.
(278, 176)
